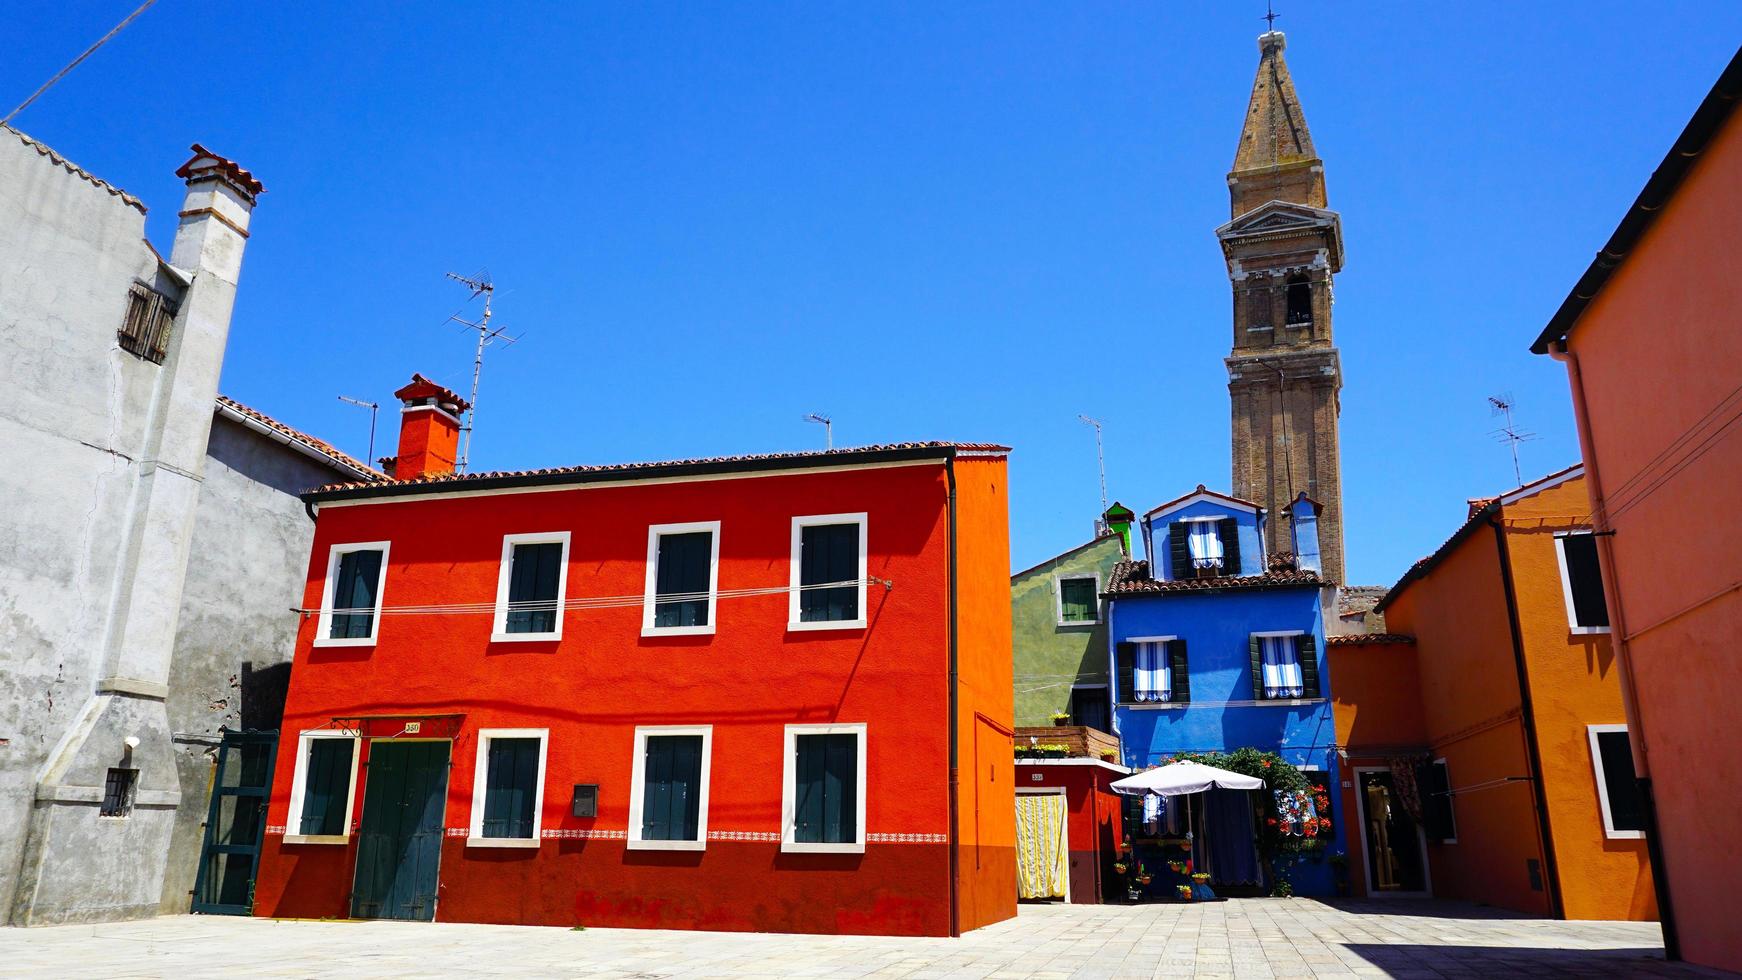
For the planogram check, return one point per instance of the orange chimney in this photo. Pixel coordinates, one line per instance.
(429, 430)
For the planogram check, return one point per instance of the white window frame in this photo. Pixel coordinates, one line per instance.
(298, 784)
(1058, 597)
(1609, 831)
(649, 600)
(1451, 801)
(1560, 554)
(324, 625)
(789, 790)
(638, 788)
(1140, 706)
(480, 777)
(792, 605)
(504, 578)
(1258, 694)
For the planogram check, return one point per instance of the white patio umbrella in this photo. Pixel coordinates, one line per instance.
(1181, 778)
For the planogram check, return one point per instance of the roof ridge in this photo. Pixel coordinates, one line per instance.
(55, 157)
(319, 445)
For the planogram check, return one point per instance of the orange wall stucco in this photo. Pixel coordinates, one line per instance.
(749, 679)
(1376, 705)
(1663, 334)
(1472, 716)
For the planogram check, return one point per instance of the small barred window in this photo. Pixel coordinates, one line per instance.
(145, 331)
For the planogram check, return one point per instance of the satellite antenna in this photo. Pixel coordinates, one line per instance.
(373, 407)
(828, 425)
(1100, 461)
(1509, 434)
(480, 286)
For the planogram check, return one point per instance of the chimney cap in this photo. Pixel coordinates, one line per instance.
(206, 164)
(422, 387)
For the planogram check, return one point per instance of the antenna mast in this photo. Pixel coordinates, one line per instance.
(828, 425)
(1509, 434)
(373, 407)
(480, 286)
(1100, 460)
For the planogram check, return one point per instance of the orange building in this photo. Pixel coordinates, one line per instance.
(1486, 760)
(1650, 340)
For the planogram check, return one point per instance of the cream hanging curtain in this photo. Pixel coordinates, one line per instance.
(1040, 845)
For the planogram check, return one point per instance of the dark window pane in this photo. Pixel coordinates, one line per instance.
(672, 788)
(118, 793)
(1089, 707)
(510, 785)
(1626, 806)
(1585, 580)
(682, 572)
(326, 786)
(1436, 802)
(1077, 600)
(354, 595)
(825, 799)
(828, 553)
(533, 603)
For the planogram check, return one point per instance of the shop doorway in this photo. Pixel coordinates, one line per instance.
(1391, 840)
(1042, 845)
(399, 842)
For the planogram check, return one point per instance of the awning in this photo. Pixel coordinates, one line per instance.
(1182, 778)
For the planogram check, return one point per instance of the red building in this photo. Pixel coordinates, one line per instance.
(762, 693)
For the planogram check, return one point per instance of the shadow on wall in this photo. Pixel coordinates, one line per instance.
(1518, 961)
(263, 690)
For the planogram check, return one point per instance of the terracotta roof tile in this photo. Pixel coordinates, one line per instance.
(1132, 578)
(1365, 639)
(76, 170)
(422, 387)
(319, 445)
(205, 161)
(1354, 599)
(822, 457)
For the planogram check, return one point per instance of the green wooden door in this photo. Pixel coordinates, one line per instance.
(235, 820)
(399, 844)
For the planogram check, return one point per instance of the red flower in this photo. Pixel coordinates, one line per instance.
(1267, 763)
(1271, 821)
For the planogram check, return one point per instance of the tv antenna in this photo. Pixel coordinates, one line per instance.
(1100, 460)
(1509, 434)
(828, 425)
(373, 408)
(480, 286)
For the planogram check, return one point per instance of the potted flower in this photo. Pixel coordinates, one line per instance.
(1061, 718)
(1201, 877)
(1053, 750)
(1184, 892)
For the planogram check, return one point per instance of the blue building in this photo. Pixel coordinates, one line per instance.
(1214, 646)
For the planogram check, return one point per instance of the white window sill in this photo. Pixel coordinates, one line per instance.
(669, 845)
(825, 624)
(794, 847)
(357, 641)
(526, 637)
(1587, 630)
(1079, 623)
(317, 838)
(1624, 834)
(707, 630)
(502, 841)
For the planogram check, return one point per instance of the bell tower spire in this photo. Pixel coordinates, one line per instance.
(1283, 247)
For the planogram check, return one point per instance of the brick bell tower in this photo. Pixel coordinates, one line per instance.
(1283, 247)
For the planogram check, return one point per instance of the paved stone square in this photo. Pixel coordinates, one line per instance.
(1259, 937)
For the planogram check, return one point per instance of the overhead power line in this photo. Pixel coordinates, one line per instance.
(75, 62)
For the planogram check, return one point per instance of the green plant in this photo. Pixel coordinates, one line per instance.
(1282, 889)
(1061, 716)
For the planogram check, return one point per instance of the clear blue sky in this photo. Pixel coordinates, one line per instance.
(963, 221)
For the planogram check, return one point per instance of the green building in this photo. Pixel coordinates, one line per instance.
(1059, 632)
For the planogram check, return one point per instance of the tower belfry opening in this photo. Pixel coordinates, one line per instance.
(1283, 247)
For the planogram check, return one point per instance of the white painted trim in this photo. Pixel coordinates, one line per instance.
(1254, 703)
(444, 413)
(480, 773)
(792, 604)
(788, 789)
(1546, 483)
(647, 597)
(1451, 801)
(1202, 495)
(1064, 826)
(324, 625)
(1560, 554)
(1367, 855)
(632, 481)
(499, 620)
(1058, 597)
(638, 788)
(1278, 633)
(1080, 761)
(299, 782)
(1149, 639)
(1609, 831)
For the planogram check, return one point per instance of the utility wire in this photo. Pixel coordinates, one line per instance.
(75, 62)
(587, 602)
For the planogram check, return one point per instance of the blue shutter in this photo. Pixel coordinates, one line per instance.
(672, 788)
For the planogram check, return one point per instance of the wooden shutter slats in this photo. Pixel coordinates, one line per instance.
(1179, 550)
(1229, 531)
(1306, 651)
(1257, 650)
(1176, 663)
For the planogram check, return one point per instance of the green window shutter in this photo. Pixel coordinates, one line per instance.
(828, 553)
(326, 781)
(510, 783)
(671, 787)
(1179, 551)
(1307, 652)
(1176, 665)
(1229, 531)
(533, 571)
(825, 801)
(1257, 647)
(359, 580)
(1077, 600)
(1126, 670)
(682, 570)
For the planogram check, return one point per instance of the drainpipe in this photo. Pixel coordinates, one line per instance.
(1527, 711)
(955, 708)
(1603, 533)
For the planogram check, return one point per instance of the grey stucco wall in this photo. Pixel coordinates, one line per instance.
(231, 665)
(72, 427)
